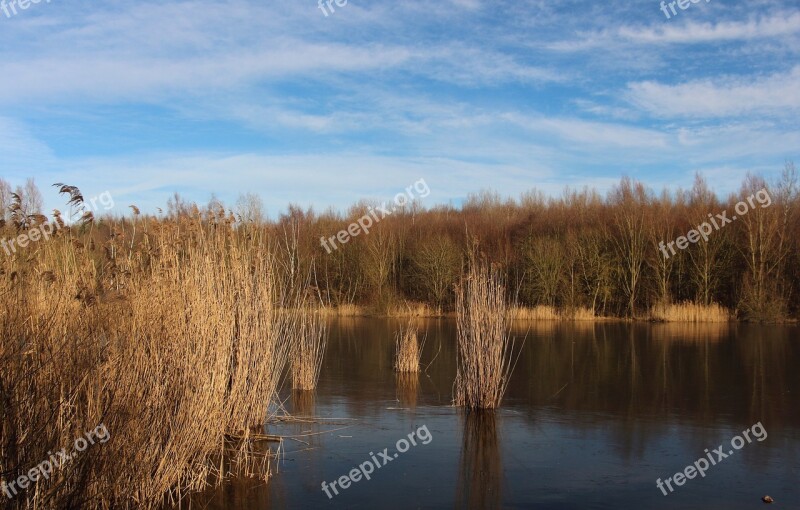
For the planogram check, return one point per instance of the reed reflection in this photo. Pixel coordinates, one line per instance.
(407, 384)
(480, 476)
(303, 403)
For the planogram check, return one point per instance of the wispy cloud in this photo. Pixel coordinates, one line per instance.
(228, 96)
(777, 94)
(779, 25)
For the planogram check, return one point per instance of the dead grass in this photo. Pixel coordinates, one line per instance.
(484, 345)
(175, 346)
(307, 350)
(550, 313)
(408, 349)
(537, 313)
(412, 309)
(345, 310)
(690, 312)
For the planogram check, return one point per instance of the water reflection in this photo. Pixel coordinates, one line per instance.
(480, 473)
(303, 403)
(407, 388)
(641, 400)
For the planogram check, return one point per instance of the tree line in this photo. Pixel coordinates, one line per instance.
(582, 250)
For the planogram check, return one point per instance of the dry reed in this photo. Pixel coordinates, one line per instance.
(537, 313)
(408, 349)
(550, 313)
(485, 348)
(175, 346)
(690, 312)
(307, 350)
(412, 309)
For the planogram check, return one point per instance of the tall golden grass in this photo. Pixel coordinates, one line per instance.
(344, 310)
(307, 350)
(412, 309)
(407, 348)
(537, 313)
(690, 312)
(175, 345)
(485, 348)
(550, 313)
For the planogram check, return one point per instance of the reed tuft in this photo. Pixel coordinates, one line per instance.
(307, 349)
(485, 348)
(408, 349)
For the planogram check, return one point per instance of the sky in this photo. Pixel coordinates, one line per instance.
(144, 99)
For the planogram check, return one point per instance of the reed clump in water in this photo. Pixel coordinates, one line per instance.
(485, 348)
(307, 350)
(408, 349)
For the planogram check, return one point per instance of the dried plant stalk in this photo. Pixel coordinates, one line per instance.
(175, 349)
(308, 349)
(484, 359)
(408, 349)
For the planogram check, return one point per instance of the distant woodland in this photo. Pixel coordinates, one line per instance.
(581, 251)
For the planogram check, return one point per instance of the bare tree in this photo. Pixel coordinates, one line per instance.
(5, 198)
(250, 208)
(708, 257)
(629, 236)
(437, 266)
(32, 200)
(544, 264)
(765, 247)
(662, 229)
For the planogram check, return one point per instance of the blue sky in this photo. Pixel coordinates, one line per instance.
(146, 98)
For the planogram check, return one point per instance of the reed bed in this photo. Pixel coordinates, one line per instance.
(412, 309)
(174, 344)
(550, 313)
(690, 313)
(485, 348)
(537, 313)
(307, 350)
(408, 349)
(344, 310)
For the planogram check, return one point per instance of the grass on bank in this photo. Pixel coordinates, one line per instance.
(690, 313)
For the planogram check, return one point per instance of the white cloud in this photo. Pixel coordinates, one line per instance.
(780, 25)
(776, 94)
(594, 134)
